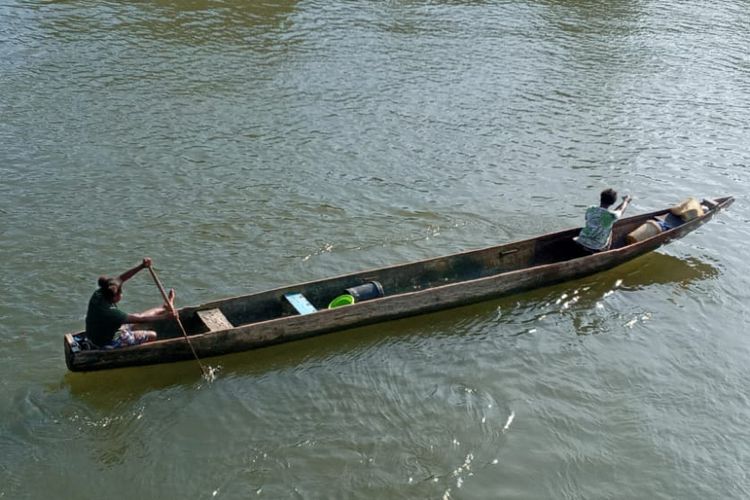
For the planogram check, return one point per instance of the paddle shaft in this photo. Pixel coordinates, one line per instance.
(177, 318)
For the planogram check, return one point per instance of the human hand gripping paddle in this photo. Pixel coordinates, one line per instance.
(169, 304)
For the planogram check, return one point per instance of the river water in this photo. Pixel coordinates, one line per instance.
(247, 145)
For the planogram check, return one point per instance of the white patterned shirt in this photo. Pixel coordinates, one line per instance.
(597, 234)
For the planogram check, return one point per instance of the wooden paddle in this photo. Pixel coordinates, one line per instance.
(176, 316)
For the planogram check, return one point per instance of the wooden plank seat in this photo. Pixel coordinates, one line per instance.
(214, 319)
(300, 303)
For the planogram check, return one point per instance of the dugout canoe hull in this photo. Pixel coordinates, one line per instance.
(266, 318)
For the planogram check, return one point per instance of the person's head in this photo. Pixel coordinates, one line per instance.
(608, 197)
(111, 288)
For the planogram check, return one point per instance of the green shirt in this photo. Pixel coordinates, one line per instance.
(103, 318)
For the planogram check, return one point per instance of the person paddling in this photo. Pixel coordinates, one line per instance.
(596, 236)
(108, 327)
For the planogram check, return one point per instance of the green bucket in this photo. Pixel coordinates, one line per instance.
(341, 300)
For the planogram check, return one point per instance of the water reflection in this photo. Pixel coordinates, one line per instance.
(581, 308)
(653, 269)
(193, 22)
(613, 10)
(107, 390)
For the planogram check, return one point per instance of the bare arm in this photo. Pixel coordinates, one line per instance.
(622, 206)
(132, 272)
(157, 313)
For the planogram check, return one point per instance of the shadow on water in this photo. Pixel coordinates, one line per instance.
(107, 389)
(110, 388)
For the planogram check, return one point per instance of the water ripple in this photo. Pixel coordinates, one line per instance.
(245, 146)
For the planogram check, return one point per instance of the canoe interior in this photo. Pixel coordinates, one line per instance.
(395, 280)
(549, 249)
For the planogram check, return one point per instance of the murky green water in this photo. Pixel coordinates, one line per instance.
(245, 145)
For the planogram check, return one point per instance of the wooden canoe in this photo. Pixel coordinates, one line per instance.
(298, 311)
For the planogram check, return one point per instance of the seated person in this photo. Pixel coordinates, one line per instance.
(596, 235)
(109, 327)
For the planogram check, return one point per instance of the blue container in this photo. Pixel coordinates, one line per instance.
(366, 291)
